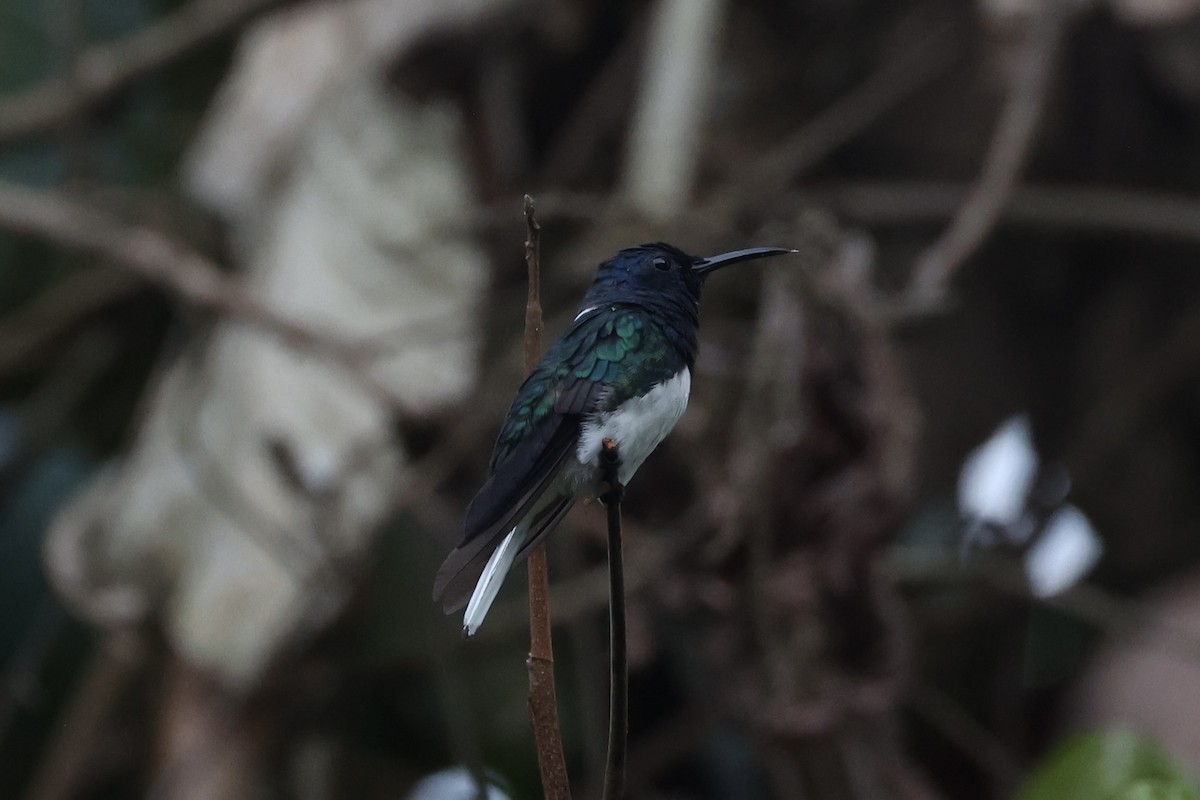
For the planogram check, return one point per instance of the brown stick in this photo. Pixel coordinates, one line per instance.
(533, 305)
(543, 704)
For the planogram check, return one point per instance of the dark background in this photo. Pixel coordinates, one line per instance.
(996, 209)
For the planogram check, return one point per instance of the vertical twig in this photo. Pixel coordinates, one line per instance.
(533, 303)
(543, 704)
(618, 689)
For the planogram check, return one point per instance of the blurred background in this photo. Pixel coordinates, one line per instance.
(927, 530)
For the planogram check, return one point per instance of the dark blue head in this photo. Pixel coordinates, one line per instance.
(660, 276)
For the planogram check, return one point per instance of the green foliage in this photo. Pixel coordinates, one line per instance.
(1109, 765)
(1158, 790)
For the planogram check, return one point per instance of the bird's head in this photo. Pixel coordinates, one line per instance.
(662, 271)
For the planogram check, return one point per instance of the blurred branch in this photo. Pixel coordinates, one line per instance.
(1097, 211)
(61, 392)
(1054, 207)
(20, 680)
(182, 272)
(543, 703)
(1082, 208)
(769, 418)
(208, 742)
(983, 747)
(102, 69)
(1032, 66)
(893, 82)
(1117, 616)
(769, 406)
(1112, 421)
(112, 670)
(598, 114)
(29, 333)
(68, 38)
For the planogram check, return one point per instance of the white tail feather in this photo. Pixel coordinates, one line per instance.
(491, 579)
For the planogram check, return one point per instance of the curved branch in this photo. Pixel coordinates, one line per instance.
(179, 270)
(104, 68)
(1007, 154)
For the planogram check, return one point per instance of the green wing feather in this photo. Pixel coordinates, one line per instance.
(604, 358)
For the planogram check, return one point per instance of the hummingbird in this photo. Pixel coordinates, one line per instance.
(622, 371)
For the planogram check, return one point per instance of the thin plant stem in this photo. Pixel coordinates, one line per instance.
(618, 689)
(543, 703)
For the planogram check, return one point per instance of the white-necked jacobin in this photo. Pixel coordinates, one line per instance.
(621, 371)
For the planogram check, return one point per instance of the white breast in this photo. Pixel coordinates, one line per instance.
(638, 425)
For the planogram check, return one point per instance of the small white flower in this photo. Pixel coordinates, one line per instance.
(1067, 549)
(455, 783)
(995, 480)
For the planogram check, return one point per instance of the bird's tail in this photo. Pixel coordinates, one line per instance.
(517, 544)
(492, 577)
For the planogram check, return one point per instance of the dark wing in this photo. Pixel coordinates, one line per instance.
(495, 510)
(538, 436)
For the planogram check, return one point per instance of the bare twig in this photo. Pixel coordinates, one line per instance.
(543, 703)
(533, 304)
(1006, 157)
(618, 687)
(184, 273)
(102, 69)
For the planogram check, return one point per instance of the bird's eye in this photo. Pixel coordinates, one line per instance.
(661, 263)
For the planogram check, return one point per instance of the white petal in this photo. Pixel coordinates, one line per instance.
(1067, 549)
(995, 479)
(451, 784)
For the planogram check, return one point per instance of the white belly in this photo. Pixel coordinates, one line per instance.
(637, 426)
